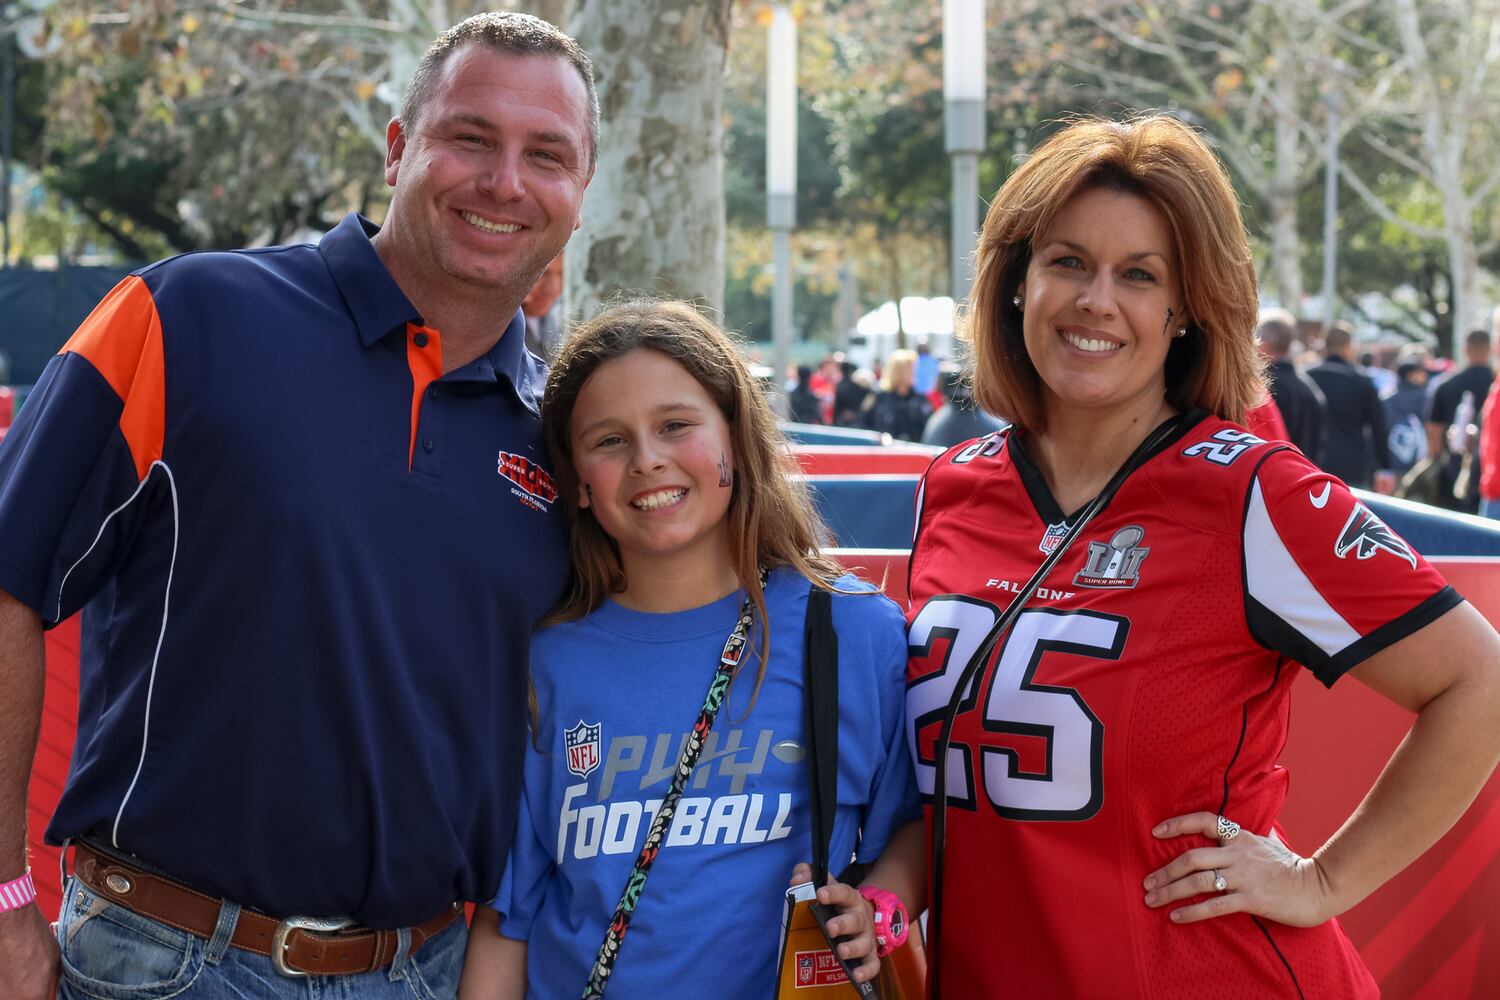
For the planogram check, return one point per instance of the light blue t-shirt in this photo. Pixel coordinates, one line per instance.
(618, 692)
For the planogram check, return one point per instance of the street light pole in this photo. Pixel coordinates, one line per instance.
(781, 186)
(963, 98)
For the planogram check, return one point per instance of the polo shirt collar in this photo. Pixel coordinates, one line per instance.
(372, 296)
(379, 307)
(508, 359)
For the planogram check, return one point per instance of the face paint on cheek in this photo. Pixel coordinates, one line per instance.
(588, 491)
(1166, 328)
(726, 478)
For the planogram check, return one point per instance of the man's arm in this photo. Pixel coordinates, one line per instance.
(28, 951)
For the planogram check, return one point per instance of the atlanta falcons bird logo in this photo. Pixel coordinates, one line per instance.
(1367, 534)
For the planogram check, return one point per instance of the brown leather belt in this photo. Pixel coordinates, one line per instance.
(297, 946)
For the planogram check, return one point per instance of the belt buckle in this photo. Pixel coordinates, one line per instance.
(280, 940)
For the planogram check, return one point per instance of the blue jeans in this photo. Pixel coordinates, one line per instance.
(111, 953)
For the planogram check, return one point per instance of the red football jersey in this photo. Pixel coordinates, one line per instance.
(1148, 677)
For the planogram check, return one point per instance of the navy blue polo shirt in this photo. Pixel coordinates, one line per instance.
(310, 565)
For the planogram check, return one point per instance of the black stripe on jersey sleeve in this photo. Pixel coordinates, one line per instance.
(1268, 629)
(1390, 633)
(1276, 635)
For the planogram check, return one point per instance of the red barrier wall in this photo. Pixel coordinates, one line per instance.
(1430, 933)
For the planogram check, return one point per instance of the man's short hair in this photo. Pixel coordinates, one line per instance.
(512, 33)
(1477, 343)
(1277, 329)
(1337, 337)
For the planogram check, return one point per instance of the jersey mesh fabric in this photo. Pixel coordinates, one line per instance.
(1132, 689)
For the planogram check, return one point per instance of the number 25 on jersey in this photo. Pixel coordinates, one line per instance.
(1041, 755)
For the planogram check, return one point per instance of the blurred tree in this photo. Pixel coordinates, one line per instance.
(1442, 128)
(1253, 75)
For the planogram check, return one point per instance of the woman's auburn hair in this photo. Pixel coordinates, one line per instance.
(1215, 366)
(771, 517)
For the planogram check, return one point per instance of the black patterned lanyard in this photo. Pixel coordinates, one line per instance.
(729, 661)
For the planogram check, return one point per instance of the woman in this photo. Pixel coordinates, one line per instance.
(1111, 783)
(898, 409)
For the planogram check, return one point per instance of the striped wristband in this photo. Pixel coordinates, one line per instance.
(16, 893)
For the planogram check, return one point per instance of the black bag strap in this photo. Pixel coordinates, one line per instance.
(820, 706)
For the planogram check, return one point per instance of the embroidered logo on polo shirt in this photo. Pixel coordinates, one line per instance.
(533, 484)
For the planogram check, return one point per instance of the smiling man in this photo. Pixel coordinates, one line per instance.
(301, 495)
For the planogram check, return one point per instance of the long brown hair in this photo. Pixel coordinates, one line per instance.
(771, 518)
(1158, 158)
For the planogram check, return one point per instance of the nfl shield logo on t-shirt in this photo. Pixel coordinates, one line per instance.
(804, 967)
(582, 744)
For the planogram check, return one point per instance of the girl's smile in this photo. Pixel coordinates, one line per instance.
(650, 447)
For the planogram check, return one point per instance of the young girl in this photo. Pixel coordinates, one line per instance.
(669, 459)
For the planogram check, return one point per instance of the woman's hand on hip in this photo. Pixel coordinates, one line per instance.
(1245, 873)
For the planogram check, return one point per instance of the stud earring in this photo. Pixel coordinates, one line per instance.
(1181, 331)
(1016, 301)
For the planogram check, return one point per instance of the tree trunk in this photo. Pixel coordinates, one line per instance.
(1463, 265)
(653, 219)
(1286, 245)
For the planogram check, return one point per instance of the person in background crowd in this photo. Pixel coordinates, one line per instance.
(824, 383)
(1490, 455)
(803, 404)
(1265, 422)
(543, 324)
(1489, 446)
(959, 418)
(849, 396)
(1404, 409)
(1298, 397)
(1384, 378)
(898, 409)
(1355, 448)
(302, 714)
(925, 376)
(1448, 411)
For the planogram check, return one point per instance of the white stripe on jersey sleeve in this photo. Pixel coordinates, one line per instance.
(1274, 579)
(916, 522)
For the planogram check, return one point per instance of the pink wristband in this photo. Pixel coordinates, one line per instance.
(16, 893)
(891, 922)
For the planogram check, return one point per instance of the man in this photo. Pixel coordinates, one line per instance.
(540, 307)
(959, 418)
(1355, 448)
(803, 405)
(303, 494)
(1446, 408)
(1404, 408)
(1298, 397)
